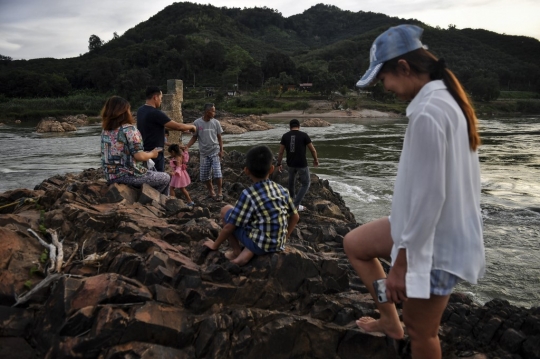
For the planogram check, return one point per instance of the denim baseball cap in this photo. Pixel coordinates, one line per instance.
(393, 42)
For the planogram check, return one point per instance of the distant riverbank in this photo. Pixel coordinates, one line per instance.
(332, 114)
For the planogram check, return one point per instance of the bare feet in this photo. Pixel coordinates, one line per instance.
(230, 255)
(373, 325)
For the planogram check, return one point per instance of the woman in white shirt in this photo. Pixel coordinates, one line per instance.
(434, 233)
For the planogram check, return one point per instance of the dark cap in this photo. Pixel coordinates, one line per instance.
(294, 123)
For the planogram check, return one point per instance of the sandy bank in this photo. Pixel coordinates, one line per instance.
(332, 114)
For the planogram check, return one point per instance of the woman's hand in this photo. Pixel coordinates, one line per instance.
(155, 152)
(396, 290)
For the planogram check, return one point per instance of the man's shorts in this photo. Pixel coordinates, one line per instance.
(208, 165)
(442, 282)
(242, 235)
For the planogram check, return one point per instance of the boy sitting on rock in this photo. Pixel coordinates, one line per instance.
(263, 217)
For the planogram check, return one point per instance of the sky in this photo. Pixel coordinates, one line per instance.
(61, 28)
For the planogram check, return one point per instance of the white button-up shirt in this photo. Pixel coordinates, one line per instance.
(436, 212)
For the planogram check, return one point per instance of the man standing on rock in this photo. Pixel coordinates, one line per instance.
(151, 123)
(208, 131)
(295, 143)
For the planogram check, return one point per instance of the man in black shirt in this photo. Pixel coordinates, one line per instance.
(295, 143)
(151, 123)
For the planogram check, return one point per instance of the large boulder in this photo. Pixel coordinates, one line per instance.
(315, 122)
(50, 124)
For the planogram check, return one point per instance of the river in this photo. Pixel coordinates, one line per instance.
(359, 157)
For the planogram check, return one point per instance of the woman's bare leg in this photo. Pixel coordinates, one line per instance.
(422, 318)
(363, 245)
(172, 193)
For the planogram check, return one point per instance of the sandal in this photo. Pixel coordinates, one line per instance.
(190, 204)
(218, 198)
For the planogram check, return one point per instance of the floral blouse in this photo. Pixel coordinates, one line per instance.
(117, 149)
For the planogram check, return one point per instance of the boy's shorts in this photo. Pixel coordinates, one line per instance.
(442, 282)
(208, 165)
(241, 234)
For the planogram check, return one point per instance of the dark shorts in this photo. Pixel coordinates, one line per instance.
(243, 237)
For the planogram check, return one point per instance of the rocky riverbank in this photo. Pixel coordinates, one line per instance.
(134, 280)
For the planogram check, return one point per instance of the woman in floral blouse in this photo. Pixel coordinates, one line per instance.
(122, 155)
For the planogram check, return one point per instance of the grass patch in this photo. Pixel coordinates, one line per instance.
(37, 108)
(521, 95)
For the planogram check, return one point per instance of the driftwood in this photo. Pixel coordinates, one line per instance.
(50, 247)
(94, 259)
(73, 254)
(44, 283)
(59, 249)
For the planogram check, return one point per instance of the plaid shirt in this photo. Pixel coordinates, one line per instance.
(263, 210)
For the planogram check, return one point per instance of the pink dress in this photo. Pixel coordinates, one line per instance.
(180, 178)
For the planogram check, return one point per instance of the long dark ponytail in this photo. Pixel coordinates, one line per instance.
(423, 61)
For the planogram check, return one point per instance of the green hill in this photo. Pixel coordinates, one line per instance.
(209, 46)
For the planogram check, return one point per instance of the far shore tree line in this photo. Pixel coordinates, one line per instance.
(257, 50)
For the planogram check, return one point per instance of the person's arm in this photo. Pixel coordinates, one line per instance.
(220, 141)
(191, 141)
(313, 154)
(424, 182)
(135, 144)
(145, 156)
(280, 157)
(225, 233)
(293, 220)
(173, 125)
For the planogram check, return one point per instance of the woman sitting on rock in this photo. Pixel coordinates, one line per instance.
(122, 155)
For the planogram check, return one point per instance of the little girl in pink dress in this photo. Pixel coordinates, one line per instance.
(179, 176)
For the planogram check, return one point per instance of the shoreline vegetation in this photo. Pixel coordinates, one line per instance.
(301, 105)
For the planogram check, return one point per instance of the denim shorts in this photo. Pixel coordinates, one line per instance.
(441, 282)
(242, 235)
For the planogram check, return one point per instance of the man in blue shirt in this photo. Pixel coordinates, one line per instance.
(152, 122)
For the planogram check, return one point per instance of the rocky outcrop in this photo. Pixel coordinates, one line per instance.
(50, 124)
(76, 120)
(315, 122)
(65, 124)
(136, 281)
(231, 124)
(239, 125)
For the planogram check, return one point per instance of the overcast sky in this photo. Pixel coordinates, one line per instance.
(61, 28)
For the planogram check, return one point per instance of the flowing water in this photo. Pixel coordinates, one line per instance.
(359, 157)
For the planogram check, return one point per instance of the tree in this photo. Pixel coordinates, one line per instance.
(484, 86)
(276, 63)
(5, 59)
(94, 43)
(115, 36)
(326, 83)
(237, 59)
(276, 86)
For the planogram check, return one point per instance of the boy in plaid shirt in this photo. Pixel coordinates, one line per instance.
(264, 216)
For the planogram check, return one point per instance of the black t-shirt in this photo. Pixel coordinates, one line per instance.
(151, 124)
(295, 143)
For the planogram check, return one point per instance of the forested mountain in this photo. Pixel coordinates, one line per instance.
(209, 46)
